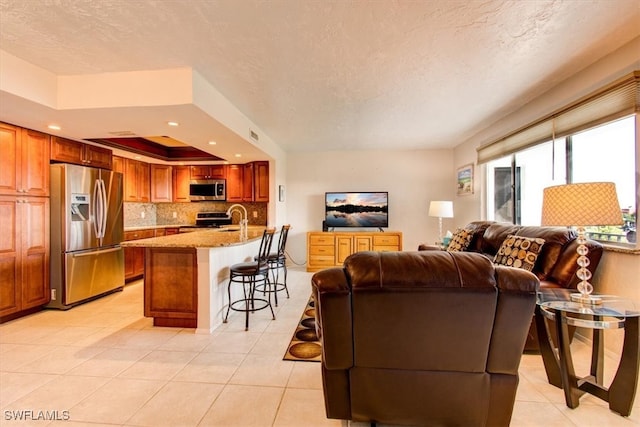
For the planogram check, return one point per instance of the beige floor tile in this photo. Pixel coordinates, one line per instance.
(177, 404)
(587, 415)
(211, 368)
(60, 359)
(59, 394)
(158, 365)
(232, 342)
(110, 362)
(244, 406)
(273, 344)
(22, 354)
(14, 385)
(116, 401)
(536, 414)
(305, 375)
(303, 408)
(187, 340)
(258, 369)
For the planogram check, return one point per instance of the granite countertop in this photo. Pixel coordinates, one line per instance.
(153, 227)
(207, 238)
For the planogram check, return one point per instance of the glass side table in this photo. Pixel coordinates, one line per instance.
(613, 313)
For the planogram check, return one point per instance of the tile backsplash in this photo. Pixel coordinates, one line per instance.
(185, 213)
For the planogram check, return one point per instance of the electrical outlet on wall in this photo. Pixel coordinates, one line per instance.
(142, 214)
(255, 214)
(175, 214)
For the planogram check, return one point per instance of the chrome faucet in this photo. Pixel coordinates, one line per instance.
(244, 222)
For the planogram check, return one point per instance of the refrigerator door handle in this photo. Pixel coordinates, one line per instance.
(103, 225)
(97, 208)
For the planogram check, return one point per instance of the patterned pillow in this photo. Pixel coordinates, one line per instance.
(460, 240)
(519, 252)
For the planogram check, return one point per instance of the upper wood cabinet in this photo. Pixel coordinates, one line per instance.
(181, 177)
(234, 183)
(136, 181)
(208, 172)
(69, 151)
(261, 181)
(161, 183)
(24, 163)
(118, 164)
(255, 186)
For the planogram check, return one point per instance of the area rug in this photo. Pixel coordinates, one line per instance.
(304, 345)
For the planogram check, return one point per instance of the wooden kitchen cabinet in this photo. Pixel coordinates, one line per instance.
(255, 185)
(171, 287)
(24, 163)
(24, 255)
(161, 183)
(208, 172)
(118, 164)
(180, 181)
(235, 183)
(133, 256)
(330, 249)
(261, 181)
(136, 181)
(69, 151)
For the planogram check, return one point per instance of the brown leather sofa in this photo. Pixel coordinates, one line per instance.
(422, 338)
(555, 267)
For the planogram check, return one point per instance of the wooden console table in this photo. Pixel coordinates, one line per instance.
(327, 249)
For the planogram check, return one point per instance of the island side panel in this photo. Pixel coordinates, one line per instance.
(170, 286)
(213, 279)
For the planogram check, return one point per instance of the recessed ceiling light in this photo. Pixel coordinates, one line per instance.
(238, 155)
(212, 143)
(173, 123)
(54, 127)
(138, 157)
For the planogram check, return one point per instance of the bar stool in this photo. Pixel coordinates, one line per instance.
(250, 274)
(277, 261)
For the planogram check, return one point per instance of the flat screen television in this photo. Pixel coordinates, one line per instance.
(357, 209)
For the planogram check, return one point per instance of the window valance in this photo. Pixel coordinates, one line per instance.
(618, 99)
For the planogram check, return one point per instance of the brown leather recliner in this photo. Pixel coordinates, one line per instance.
(422, 338)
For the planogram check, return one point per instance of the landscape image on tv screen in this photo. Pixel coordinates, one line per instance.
(357, 209)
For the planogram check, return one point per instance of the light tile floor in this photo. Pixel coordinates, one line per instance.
(104, 364)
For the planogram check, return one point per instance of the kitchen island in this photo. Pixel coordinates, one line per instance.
(186, 275)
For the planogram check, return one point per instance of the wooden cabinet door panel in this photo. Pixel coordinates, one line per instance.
(344, 248)
(247, 183)
(97, 157)
(144, 184)
(35, 163)
(161, 183)
(234, 183)
(9, 257)
(118, 164)
(181, 178)
(130, 181)
(10, 159)
(66, 150)
(35, 251)
(261, 182)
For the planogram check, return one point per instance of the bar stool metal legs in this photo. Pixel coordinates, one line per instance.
(250, 275)
(278, 261)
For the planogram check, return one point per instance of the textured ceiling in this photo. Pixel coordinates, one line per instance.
(332, 75)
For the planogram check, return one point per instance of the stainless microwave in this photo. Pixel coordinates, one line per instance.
(201, 190)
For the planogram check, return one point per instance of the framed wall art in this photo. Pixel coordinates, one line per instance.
(465, 180)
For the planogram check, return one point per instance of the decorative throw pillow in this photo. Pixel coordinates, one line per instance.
(519, 252)
(460, 240)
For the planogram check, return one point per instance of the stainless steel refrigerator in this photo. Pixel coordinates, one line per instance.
(86, 230)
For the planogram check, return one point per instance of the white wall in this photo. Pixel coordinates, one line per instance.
(412, 178)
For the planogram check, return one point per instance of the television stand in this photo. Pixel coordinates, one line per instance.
(330, 248)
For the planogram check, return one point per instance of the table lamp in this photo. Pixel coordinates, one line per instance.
(441, 209)
(580, 205)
